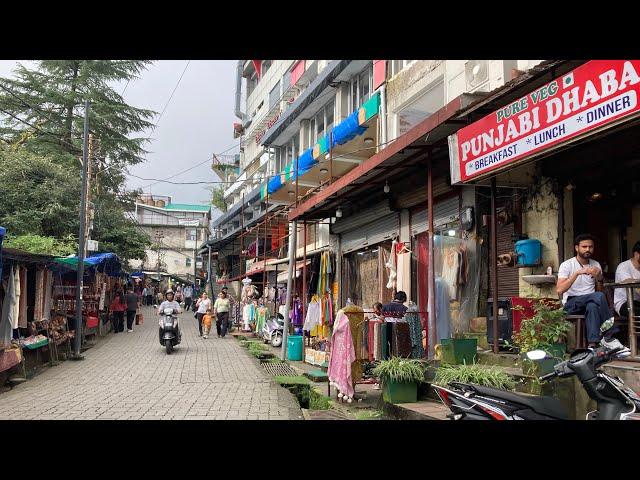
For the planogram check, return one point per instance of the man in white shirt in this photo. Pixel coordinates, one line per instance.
(628, 271)
(577, 284)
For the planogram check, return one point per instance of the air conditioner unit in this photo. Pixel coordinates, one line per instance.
(476, 74)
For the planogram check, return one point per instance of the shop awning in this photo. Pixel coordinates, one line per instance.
(107, 263)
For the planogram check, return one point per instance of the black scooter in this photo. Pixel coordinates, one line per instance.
(169, 332)
(615, 401)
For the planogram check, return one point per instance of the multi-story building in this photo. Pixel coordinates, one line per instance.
(176, 230)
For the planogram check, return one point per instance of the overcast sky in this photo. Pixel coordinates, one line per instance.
(197, 123)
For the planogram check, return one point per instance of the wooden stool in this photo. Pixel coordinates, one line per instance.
(581, 341)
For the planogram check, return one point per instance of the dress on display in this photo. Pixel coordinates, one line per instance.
(415, 330)
(342, 356)
(312, 319)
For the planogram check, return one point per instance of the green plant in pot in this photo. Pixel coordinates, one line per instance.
(459, 349)
(487, 376)
(400, 378)
(546, 330)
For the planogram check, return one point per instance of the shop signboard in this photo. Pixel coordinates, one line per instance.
(594, 96)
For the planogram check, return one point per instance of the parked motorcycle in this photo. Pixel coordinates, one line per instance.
(169, 332)
(273, 330)
(615, 401)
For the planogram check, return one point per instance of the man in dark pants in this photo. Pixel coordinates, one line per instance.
(577, 284)
(393, 312)
(132, 307)
(628, 271)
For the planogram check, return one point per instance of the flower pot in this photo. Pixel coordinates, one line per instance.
(459, 351)
(393, 392)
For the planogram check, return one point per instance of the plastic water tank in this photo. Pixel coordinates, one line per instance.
(294, 348)
(529, 253)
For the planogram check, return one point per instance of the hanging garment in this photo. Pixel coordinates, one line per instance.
(247, 315)
(22, 319)
(443, 314)
(48, 294)
(261, 318)
(295, 315)
(384, 345)
(8, 311)
(401, 339)
(312, 319)
(39, 306)
(415, 331)
(342, 356)
(372, 337)
(392, 265)
(450, 271)
(15, 319)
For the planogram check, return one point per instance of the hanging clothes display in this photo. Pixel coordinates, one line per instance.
(15, 320)
(342, 357)
(8, 310)
(415, 331)
(450, 271)
(248, 316)
(392, 265)
(22, 319)
(261, 318)
(312, 319)
(48, 294)
(295, 315)
(38, 308)
(401, 340)
(443, 314)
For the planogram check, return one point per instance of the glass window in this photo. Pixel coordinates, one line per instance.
(354, 94)
(312, 132)
(274, 95)
(329, 113)
(363, 87)
(191, 234)
(319, 124)
(266, 65)
(188, 262)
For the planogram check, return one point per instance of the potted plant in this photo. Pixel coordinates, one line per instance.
(546, 330)
(487, 376)
(400, 378)
(459, 349)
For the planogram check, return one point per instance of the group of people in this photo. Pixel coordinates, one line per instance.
(183, 293)
(124, 302)
(206, 313)
(577, 279)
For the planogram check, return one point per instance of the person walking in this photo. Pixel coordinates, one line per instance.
(203, 304)
(144, 296)
(221, 310)
(188, 297)
(206, 323)
(132, 307)
(117, 308)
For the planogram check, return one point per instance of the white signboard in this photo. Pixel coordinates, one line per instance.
(92, 245)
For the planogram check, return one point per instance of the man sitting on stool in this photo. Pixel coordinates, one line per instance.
(628, 271)
(577, 284)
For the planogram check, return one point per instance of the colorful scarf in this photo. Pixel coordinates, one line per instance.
(342, 356)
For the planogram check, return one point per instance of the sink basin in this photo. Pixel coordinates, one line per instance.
(539, 279)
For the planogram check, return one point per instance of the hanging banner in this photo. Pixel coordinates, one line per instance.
(598, 94)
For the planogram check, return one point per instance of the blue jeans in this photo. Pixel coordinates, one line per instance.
(595, 309)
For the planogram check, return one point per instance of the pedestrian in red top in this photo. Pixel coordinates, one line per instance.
(118, 308)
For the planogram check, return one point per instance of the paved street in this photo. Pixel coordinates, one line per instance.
(129, 376)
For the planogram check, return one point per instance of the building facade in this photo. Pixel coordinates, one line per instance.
(176, 231)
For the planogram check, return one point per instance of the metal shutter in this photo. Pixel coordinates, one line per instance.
(508, 284)
(382, 229)
(444, 212)
(362, 218)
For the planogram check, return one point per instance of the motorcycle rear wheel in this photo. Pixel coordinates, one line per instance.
(169, 346)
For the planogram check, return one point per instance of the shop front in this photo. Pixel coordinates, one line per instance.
(565, 156)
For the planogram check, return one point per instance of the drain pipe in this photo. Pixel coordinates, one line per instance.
(239, 113)
(383, 117)
(293, 239)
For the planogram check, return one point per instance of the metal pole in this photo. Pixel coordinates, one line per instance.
(331, 157)
(304, 275)
(494, 264)
(81, 240)
(209, 274)
(292, 259)
(432, 333)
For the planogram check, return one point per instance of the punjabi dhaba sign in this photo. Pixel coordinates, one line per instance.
(594, 95)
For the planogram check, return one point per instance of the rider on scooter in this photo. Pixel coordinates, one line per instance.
(168, 303)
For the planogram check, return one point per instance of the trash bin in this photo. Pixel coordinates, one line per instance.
(294, 348)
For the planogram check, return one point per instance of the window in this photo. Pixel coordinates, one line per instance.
(188, 262)
(329, 114)
(319, 124)
(312, 132)
(427, 104)
(252, 81)
(361, 87)
(274, 95)
(398, 65)
(266, 65)
(191, 234)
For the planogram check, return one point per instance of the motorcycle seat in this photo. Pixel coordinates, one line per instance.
(544, 405)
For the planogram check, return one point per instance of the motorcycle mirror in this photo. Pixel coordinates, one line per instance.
(536, 354)
(608, 324)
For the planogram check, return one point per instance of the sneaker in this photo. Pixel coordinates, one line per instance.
(612, 344)
(129, 331)
(204, 336)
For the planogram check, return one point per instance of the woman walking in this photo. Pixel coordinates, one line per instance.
(221, 310)
(203, 305)
(118, 308)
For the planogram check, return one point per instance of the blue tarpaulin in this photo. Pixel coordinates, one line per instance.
(347, 130)
(306, 162)
(108, 263)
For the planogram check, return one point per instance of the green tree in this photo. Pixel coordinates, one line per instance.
(42, 112)
(217, 198)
